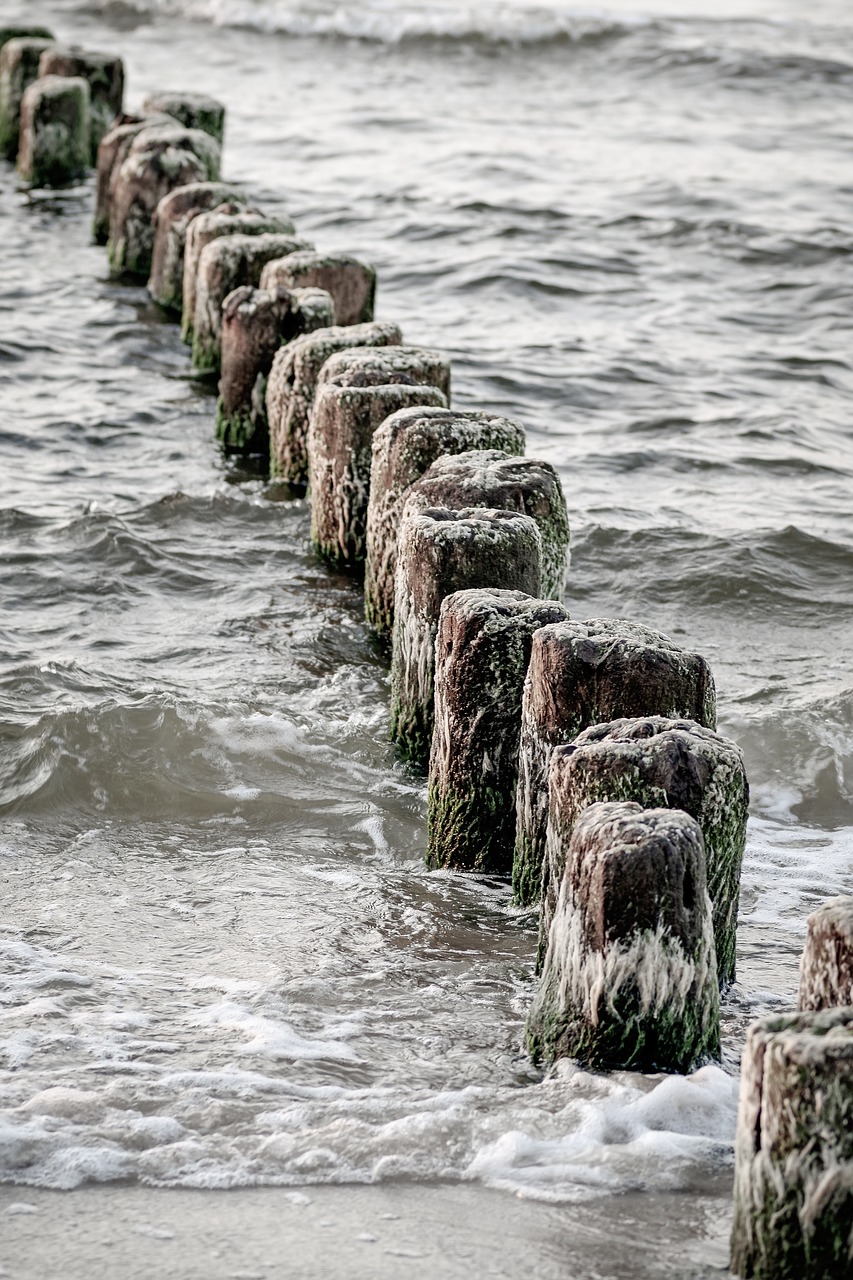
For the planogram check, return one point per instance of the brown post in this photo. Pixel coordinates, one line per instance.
(172, 217)
(351, 283)
(104, 73)
(193, 110)
(826, 968)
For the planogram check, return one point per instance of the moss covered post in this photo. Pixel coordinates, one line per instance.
(255, 322)
(225, 264)
(793, 1194)
(19, 67)
(112, 152)
(490, 478)
(629, 980)
(658, 762)
(481, 654)
(584, 673)
(172, 218)
(826, 967)
(54, 146)
(229, 219)
(160, 158)
(292, 385)
(351, 283)
(193, 110)
(404, 447)
(104, 73)
(441, 552)
(356, 391)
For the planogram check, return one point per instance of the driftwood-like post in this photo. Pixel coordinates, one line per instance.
(630, 977)
(55, 124)
(826, 968)
(292, 385)
(489, 478)
(655, 762)
(19, 67)
(404, 447)
(481, 654)
(255, 322)
(584, 673)
(192, 110)
(229, 219)
(104, 73)
(172, 217)
(793, 1195)
(112, 152)
(441, 552)
(225, 264)
(159, 159)
(356, 391)
(351, 283)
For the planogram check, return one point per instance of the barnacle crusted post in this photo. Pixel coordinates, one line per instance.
(629, 980)
(172, 218)
(826, 968)
(351, 283)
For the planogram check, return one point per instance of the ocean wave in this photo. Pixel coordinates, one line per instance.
(388, 23)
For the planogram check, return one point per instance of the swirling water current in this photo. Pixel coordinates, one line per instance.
(221, 961)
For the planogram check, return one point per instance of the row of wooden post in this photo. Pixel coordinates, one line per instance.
(580, 759)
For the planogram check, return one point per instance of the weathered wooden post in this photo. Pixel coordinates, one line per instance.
(826, 968)
(490, 478)
(404, 447)
(441, 552)
(192, 110)
(793, 1195)
(630, 976)
(172, 217)
(159, 159)
(104, 73)
(24, 33)
(482, 650)
(225, 264)
(230, 219)
(19, 67)
(656, 761)
(55, 132)
(255, 322)
(356, 391)
(584, 673)
(112, 152)
(292, 384)
(351, 283)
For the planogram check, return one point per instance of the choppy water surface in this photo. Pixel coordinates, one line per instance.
(222, 961)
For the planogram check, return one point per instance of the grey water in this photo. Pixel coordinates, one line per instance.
(222, 963)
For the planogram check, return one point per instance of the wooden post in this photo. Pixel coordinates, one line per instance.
(172, 218)
(793, 1194)
(19, 67)
(826, 968)
(351, 283)
(192, 110)
(441, 552)
(159, 159)
(112, 152)
(656, 762)
(630, 977)
(481, 654)
(584, 673)
(55, 132)
(104, 73)
(292, 385)
(255, 322)
(356, 391)
(404, 447)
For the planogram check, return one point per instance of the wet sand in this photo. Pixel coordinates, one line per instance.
(440, 1231)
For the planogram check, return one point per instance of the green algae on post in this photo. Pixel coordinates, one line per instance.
(19, 67)
(404, 447)
(111, 154)
(351, 283)
(481, 653)
(826, 967)
(584, 673)
(172, 218)
(292, 385)
(793, 1192)
(659, 762)
(55, 124)
(193, 110)
(104, 73)
(441, 552)
(255, 322)
(630, 977)
(356, 391)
